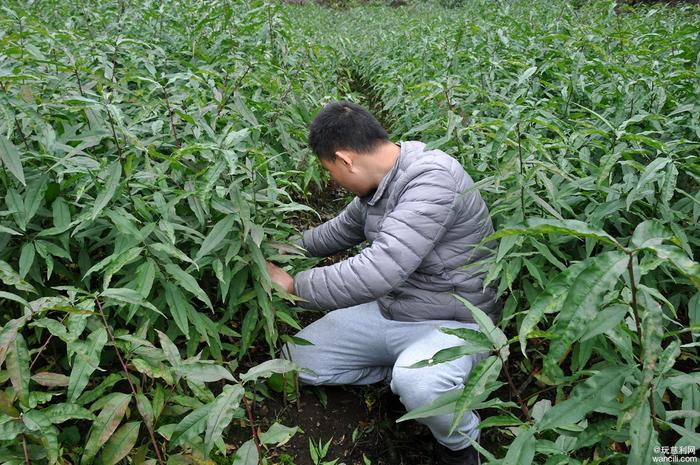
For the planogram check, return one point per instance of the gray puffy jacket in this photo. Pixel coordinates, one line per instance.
(423, 227)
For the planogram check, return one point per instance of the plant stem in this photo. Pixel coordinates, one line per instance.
(253, 431)
(19, 128)
(170, 116)
(128, 376)
(522, 173)
(26, 452)
(46, 343)
(77, 78)
(224, 98)
(638, 322)
(114, 133)
(523, 406)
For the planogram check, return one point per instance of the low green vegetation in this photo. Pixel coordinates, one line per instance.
(152, 158)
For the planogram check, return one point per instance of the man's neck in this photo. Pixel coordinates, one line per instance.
(383, 161)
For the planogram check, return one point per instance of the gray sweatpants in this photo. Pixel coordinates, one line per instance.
(357, 345)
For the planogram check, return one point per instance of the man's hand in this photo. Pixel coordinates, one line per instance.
(281, 277)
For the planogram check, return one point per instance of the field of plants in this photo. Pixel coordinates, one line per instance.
(153, 158)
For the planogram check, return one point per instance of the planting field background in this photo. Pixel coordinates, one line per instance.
(153, 157)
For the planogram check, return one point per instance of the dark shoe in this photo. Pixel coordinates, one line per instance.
(467, 456)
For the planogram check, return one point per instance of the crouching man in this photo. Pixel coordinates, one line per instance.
(423, 224)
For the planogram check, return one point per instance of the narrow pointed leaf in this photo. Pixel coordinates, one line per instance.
(146, 410)
(18, 368)
(105, 425)
(187, 282)
(522, 450)
(247, 454)
(192, 425)
(480, 378)
(129, 296)
(221, 414)
(9, 155)
(536, 226)
(549, 301)
(114, 173)
(597, 390)
(216, 236)
(38, 422)
(85, 362)
(120, 444)
(266, 369)
(582, 304)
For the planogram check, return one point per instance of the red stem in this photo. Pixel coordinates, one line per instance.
(128, 377)
(253, 431)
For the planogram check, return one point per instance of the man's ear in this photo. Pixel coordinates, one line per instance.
(346, 158)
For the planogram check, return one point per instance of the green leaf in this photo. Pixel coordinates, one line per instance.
(522, 450)
(10, 427)
(12, 278)
(146, 410)
(549, 301)
(221, 414)
(120, 444)
(605, 320)
(536, 226)
(179, 307)
(278, 434)
(484, 374)
(268, 315)
(652, 325)
(187, 282)
(582, 304)
(443, 405)
(114, 173)
(15, 298)
(643, 436)
(18, 368)
(648, 175)
(26, 259)
(500, 420)
(86, 360)
(266, 369)
(203, 372)
(6, 230)
(493, 333)
(676, 257)
(34, 196)
(247, 454)
(38, 422)
(170, 349)
(172, 251)
(596, 391)
(118, 262)
(59, 413)
(8, 334)
(650, 233)
(129, 296)
(51, 380)
(475, 342)
(216, 236)
(144, 277)
(11, 159)
(688, 436)
(190, 426)
(105, 424)
(527, 74)
(56, 328)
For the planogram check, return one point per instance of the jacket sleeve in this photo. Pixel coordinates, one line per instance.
(338, 234)
(424, 211)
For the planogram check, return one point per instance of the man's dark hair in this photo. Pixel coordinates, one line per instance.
(344, 125)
